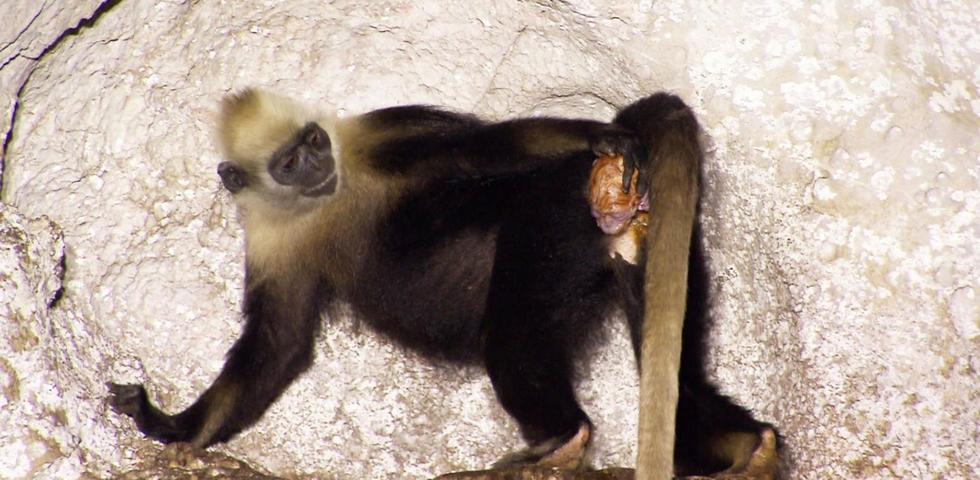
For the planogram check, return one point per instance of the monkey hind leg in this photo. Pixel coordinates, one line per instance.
(566, 453)
(533, 382)
(761, 463)
(530, 367)
(717, 436)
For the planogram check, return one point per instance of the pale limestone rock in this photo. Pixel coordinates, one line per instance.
(34, 436)
(841, 213)
(27, 31)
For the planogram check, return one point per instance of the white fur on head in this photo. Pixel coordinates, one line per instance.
(254, 123)
(252, 126)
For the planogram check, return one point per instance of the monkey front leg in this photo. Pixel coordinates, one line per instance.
(196, 425)
(233, 402)
(275, 347)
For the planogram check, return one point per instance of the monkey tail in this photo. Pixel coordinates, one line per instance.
(669, 131)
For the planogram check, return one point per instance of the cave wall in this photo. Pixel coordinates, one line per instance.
(840, 214)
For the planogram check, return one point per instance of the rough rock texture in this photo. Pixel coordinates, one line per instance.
(541, 473)
(178, 462)
(32, 409)
(841, 213)
(28, 32)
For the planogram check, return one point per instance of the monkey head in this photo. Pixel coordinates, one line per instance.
(275, 151)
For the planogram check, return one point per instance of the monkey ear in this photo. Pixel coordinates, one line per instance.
(232, 177)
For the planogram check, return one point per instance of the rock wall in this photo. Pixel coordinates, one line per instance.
(841, 215)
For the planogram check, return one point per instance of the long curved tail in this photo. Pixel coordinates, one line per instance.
(670, 131)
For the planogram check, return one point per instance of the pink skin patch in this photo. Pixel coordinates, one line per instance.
(613, 222)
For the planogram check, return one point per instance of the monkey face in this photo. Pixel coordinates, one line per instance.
(304, 167)
(279, 155)
(305, 163)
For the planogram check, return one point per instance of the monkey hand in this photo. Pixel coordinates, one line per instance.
(616, 141)
(131, 400)
(127, 399)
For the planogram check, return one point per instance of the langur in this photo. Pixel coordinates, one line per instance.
(468, 241)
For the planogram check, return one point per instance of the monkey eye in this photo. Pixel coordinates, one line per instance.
(232, 177)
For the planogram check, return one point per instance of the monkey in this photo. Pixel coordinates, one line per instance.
(655, 289)
(464, 239)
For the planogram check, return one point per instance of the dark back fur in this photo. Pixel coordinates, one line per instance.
(427, 279)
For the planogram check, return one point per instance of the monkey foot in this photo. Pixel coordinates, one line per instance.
(556, 453)
(183, 455)
(762, 464)
(569, 455)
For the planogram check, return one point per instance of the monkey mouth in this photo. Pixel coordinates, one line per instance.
(327, 187)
